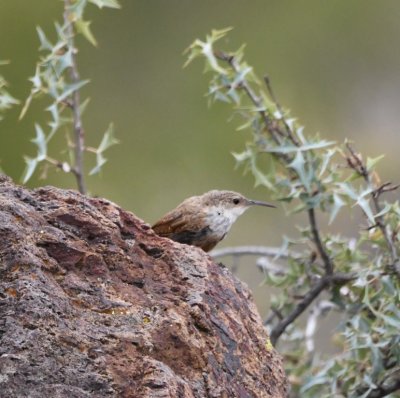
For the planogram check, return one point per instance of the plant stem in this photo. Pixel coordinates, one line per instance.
(79, 134)
(279, 135)
(356, 163)
(317, 240)
(251, 250)
(324, 283)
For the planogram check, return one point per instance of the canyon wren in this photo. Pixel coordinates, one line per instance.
(204, 220)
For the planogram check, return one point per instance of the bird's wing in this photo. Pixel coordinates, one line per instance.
(172, 222)
(184, 225)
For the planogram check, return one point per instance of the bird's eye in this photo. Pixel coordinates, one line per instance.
(236, 201)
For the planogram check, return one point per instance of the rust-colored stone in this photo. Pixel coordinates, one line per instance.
(94, 304)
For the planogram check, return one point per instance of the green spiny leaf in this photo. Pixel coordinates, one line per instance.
(56, 122)
(243, 156)
(40, 141)
(70, 88)
(108, 139)
(106, 3)
(31, 164)
(260, 177)
(63, 62)
(84, 105)
(327, 156)
(37, 87)
(298, 164)
(337, 204)
(6, 100)
(44, 42)
(371, 162)
(83, 27)
(208, 51)
(348, 190)
(305, 147)
(364, 204)
(100, 161)
(76, 10)
(217, 34)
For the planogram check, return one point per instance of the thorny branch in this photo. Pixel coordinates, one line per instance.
(388, 386)
(355, 162)
(317, 240)
(75, 105)
(281, 111)
(277, 133)
(324, 283)
(273, 129)
(307, 174)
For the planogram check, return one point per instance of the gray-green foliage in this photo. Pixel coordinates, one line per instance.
(7, 101)
(359, 275)
(57, 79)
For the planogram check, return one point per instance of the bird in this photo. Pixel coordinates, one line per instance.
(204, 220)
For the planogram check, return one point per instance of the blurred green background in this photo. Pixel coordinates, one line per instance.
(334, 63)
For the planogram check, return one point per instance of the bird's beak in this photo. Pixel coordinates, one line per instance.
(259, 203)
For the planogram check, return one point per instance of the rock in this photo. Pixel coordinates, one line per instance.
(94, 304)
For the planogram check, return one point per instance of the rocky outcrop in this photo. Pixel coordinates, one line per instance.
(94, 304)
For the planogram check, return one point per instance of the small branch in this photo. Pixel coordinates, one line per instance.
(277, 331)
(355, 162)
(277, 135)
(272, 128)
(75, 105)
(275, 313)
(263, 252)
(386, 187)
(280, 109)
(390, 385)
(317, 240)
(253, 97)
(311, 295)
(54, 162)
(252, 251)
(267, 267)
(64, 166)
(91, 149)
(312, 322)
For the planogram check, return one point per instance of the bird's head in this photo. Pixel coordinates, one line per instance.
(229, 203)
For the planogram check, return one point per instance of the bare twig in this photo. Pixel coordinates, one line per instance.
(386, 187)
(235, 264)
(263, 252)
(275, 313)
(267, 267)
(312, 322)
(75, 104)
(251, 250)
(64, 166)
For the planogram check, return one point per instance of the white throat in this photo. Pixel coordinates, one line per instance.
(221, 219)
(233, 213)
